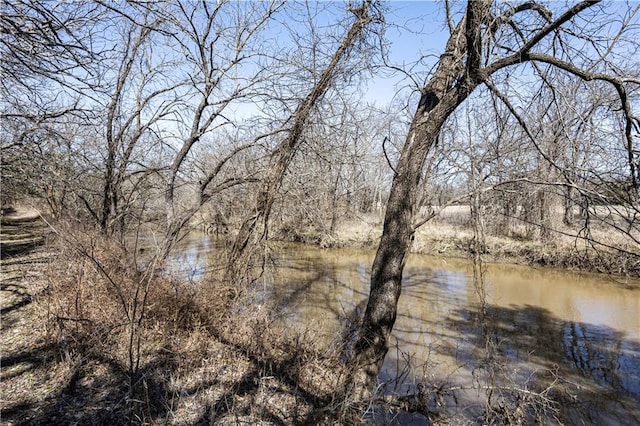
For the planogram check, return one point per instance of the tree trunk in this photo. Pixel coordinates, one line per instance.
(109, 197)
(334, 203)
(567, 217)
(455, 78)
(398, 233)
(546, 212)
(248, 237)
(509, 209)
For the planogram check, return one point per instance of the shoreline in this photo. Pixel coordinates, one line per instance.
(575, 254)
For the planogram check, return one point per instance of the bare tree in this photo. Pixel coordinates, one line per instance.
(42, 44)
(125, 125)
(487, 39)
(225, 55)
(279, 161)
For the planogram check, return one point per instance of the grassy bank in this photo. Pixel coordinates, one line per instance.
(450, 235)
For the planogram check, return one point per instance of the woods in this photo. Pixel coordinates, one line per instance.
(132, 125)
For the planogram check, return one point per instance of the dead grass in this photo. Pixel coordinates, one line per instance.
(603, 249)
(205, 357)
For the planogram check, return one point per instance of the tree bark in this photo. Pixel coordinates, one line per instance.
(248, 236)
(395, 243)
(449, 86)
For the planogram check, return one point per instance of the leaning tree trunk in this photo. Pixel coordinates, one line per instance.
(253, 229)
(455, 78)
(398, 232)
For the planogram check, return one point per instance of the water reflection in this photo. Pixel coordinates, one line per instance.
(539, 325)
(197, 255)
(580, 327)
(598, 365)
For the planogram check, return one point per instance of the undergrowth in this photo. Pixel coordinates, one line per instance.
(208, 352)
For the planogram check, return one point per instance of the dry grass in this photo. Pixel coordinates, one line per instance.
(603, 249)
(205, 356)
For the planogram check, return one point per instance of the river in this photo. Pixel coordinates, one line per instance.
(573, 338)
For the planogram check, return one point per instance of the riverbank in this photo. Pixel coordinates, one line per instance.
(67, 348)
(454, 239)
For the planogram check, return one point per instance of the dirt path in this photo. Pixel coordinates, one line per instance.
(13, 215)
(26, 372)
(21, 231)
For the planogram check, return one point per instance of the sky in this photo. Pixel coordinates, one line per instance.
(416, 32)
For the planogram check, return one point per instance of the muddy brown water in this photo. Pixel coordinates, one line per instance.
(573, 337)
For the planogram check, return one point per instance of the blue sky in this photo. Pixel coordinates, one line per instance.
(416, 32)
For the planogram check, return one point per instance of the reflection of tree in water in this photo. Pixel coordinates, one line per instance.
(598, 367)
(511, 348)
(313, 289)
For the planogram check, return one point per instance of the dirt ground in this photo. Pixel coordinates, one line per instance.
(27, 377)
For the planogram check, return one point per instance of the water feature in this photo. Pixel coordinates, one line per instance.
(572, 337)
